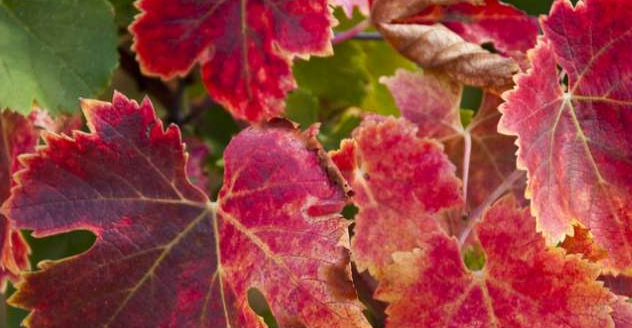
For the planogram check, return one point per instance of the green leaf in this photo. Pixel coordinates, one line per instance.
(53, 52)
(124, 12)
(331, 135)
(302, 107)
(338, 81)
(382, 60)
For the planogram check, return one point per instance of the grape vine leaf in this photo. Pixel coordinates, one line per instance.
(574, 139)
(19, 136)
(432, 101)
(245, 48)
(622, 313)
(349, 5)
(509, 29)
(522, 284)
(52, 52)
(401, 182)
(198, 152)
(434, 45)
(165, 256)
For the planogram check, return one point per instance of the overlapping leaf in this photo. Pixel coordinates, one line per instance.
(506, 27)
(400, 183)
(196, 162)
(52, 52)
(165, 256)
(415, 28)
(574, 139)
(432, 101)
(523, 283)
(245, 48)
(19, 136)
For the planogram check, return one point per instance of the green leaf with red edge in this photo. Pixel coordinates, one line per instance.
(574, 140)
(432, 101)
(245, 48)
(523, 283)
(400, 182)
(165, 256)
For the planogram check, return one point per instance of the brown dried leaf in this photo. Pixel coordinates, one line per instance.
(438, 47)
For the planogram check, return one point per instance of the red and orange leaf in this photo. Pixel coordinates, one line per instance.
(245, 48)
(510, 30)
(165, 256)
(61, 124)
(622, 313)
(582, 242)
(19, 136)
(432, 101)
(575, 140)
(523, 283)
(401, 182)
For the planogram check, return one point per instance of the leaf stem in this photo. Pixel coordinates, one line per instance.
(352, 32)
(478, 212)
(467, 154)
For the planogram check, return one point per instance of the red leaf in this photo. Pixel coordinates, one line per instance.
(245, 48)
(401, 182)
(164, 255)
(523, 283)
(510, 30)
(19, 136)
(196, 163)
(622, 313)
(574, 141)
(433, 102)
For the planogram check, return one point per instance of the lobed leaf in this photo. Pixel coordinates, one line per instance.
(574, 139)
(19, 136)
(165, 256)
(432, 101)
(400, 182)
(245, 48)
(523, 283)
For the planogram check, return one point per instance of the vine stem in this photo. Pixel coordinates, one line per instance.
(478, 212)
(352, 32)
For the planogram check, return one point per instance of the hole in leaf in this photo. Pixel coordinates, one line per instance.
(365, 286)
(489, 47)
(59, 246)
(260, 306)
(474, 258)
(472, 98)
(349, 212)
